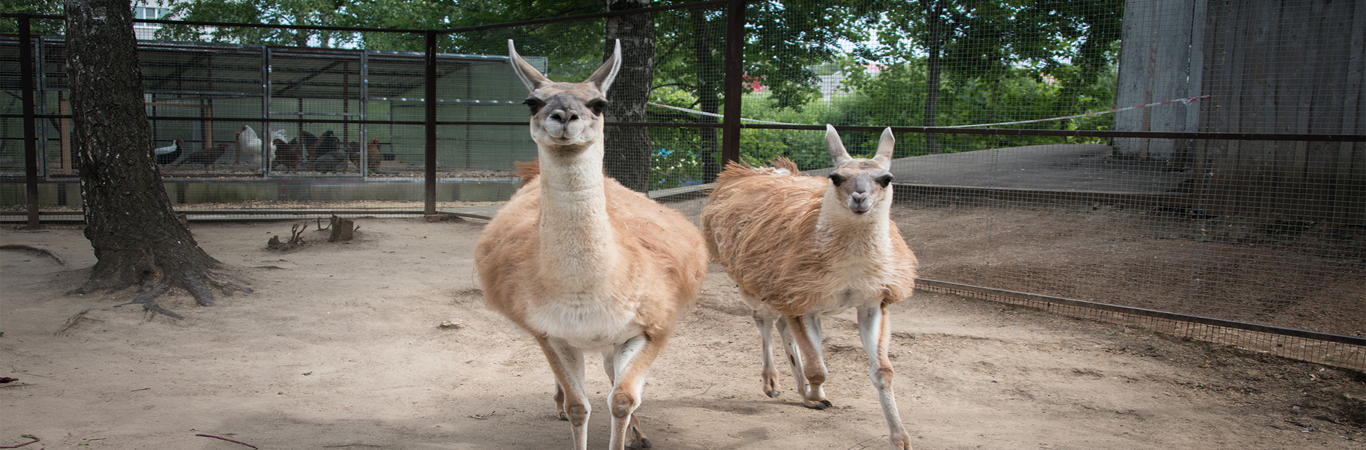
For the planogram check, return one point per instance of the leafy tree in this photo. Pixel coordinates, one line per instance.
(268, 12)
(128, 218)
(36, 7)
(1071, 43)
(783, 41)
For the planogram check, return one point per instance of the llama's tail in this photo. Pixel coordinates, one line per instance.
(782, 164)
(736, 170)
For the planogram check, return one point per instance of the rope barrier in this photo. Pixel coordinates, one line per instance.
(1184, 101)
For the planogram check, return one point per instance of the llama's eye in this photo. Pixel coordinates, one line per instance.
(837, 179)
(598, 106)
(534, 103)
(884, 180)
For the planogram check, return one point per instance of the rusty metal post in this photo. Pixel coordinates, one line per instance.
(430, 196)
(30, 125)
(735, 78)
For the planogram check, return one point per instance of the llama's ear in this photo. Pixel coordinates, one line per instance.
(531, 77)
(604, 76)
(838, 154)
(885, 147)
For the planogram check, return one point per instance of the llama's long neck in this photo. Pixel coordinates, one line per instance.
(576, 236)
(854, 239)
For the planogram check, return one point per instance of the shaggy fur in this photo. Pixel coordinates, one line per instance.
(762, 227)
(583, 263)
(800, 247)
(660, 252)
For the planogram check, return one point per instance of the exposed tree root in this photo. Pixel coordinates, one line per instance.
(41, 251)
(149, 303)
(201, 284)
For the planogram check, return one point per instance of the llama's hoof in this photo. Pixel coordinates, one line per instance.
(773, 394)
(901, 442)
(638, 439)
(818, 405)
(564, 416)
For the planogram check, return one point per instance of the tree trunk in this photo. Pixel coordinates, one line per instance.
(709, 85)
(628, 148)
(128, 217)
(934, 11)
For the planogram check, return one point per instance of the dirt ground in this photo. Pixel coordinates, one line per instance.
(342, 345)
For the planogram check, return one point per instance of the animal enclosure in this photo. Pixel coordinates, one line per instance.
(1197, 167)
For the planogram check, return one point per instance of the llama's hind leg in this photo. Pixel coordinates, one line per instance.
(638, 438)
(794, 356)
(566, 362)
(872, 327)
(804, 336)
(559, 402)
(764, 319)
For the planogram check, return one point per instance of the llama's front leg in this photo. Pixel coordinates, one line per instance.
(638, 438)
(631, 360)
(764, 319)
(806, 335)
(566, 362)
(872, 327)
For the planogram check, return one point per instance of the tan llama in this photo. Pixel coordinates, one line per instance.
(584, 264)
(800, 247)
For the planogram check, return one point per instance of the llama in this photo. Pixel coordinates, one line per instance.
(583, 263)
(800, 247)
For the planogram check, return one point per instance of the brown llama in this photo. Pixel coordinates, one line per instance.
(800, 247)
(583, 263)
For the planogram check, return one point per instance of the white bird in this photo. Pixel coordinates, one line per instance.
(248, 147)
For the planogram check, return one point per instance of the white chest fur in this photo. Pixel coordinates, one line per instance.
(585, 320)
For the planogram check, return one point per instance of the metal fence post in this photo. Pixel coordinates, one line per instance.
(30, 127)
(734, 89)
(430, 195)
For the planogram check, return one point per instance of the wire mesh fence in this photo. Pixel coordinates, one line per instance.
(1201, 159)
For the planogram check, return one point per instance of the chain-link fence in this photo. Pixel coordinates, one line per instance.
(1193, 166)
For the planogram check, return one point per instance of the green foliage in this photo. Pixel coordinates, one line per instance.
(36, 7)
(894, 97)
(806, 148)
(268, 12)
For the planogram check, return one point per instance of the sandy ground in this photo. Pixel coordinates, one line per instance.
(341, 345)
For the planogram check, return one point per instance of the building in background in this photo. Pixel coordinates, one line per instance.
(144, 11)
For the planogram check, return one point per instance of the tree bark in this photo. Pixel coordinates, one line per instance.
(628, 149)
(137, 238)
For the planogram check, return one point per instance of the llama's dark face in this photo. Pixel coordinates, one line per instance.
(566, 114)
(861, 184)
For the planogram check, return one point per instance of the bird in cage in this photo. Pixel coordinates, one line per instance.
(205, 157)
(248, 148)
(287, 154)
(168, 154)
